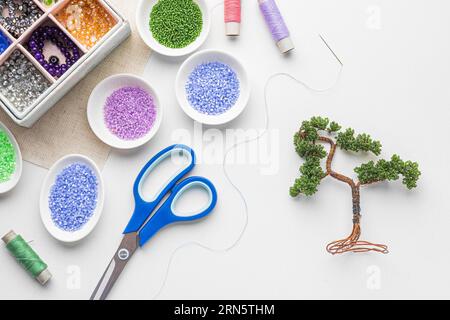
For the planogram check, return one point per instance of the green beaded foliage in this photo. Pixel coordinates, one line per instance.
(176, 23)
(311, 172)
(389, 170)
(362, 142)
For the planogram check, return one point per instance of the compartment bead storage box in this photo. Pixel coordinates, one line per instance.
(47, 46)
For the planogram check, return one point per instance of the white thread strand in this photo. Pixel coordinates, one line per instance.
(227, 176)
(235, 187)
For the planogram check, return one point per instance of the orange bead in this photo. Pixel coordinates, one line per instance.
(87, 20)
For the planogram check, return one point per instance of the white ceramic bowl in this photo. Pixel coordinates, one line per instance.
(96, 103)
(55, 170)
(211, 56)
(143, 25)
(12, 182)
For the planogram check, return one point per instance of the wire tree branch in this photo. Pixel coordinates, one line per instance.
(311, 172)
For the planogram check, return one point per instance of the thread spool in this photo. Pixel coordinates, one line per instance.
(276, 24)
(27, 257)
(232, 15)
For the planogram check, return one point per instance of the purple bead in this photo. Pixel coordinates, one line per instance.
(66, 46)
(130, 113)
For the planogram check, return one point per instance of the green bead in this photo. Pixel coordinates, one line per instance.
(7, 157)
(176, 23)
(48, 2)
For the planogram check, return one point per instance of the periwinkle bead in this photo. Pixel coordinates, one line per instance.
(73, 197)
(212, 88)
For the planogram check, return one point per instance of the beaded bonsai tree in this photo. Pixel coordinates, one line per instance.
(308, 144)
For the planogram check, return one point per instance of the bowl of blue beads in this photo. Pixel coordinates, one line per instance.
(71, 200)
(212, 87)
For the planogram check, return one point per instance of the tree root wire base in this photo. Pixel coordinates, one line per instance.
(353, 244)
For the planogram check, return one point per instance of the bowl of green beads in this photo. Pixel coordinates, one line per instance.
(10, 160)
(173, 28)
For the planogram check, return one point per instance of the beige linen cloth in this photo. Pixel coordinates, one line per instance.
(64, 128)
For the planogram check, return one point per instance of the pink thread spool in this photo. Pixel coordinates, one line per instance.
(232, 15)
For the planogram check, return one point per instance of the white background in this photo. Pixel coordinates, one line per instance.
(394, 85)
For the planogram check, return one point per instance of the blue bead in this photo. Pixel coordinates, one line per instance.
(73, 197)
(4, 42)
(212, 88)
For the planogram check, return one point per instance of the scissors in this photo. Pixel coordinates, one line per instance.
(144, 224)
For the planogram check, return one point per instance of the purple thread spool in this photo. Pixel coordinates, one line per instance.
(276, 24)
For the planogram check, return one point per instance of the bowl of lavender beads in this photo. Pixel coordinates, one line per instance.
(71, 200)
(212, 87)
(124, 111)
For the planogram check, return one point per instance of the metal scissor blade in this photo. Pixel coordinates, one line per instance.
(126, 249)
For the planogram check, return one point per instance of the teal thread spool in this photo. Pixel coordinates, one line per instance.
(27, 257)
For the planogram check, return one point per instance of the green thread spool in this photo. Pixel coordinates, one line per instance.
(27, 257)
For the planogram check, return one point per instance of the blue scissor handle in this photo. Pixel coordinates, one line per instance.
(166, 215)
(143, 209)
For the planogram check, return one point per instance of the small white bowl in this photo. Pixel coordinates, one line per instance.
(212, 56)
(59, 234)
(143, 25)
(12, 182)
(96, 103)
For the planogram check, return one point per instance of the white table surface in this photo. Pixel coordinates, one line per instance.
(394, 85)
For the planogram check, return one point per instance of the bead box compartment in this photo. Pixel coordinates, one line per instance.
(60, 85)
(91, 26)
(16, 16)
